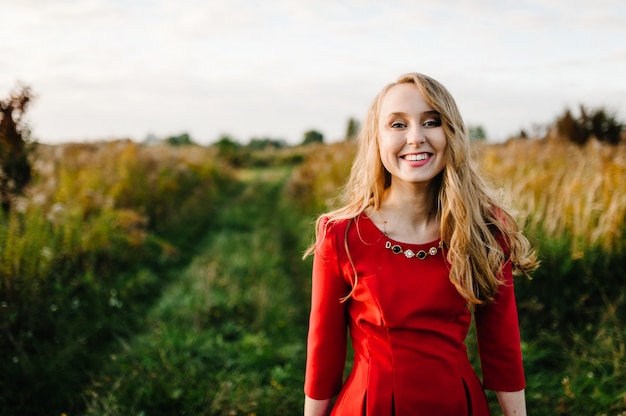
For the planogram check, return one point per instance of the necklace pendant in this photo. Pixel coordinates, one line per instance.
(409, 253)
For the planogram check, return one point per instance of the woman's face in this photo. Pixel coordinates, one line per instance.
(411, 138)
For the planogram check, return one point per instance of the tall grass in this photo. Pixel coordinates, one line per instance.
(564, 190)
(72, 253)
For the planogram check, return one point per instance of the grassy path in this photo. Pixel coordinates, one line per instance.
(227, 337)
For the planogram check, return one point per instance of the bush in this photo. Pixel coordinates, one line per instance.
(15, 170)
(316, 183)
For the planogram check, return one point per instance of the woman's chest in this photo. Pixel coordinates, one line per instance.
(400, 291)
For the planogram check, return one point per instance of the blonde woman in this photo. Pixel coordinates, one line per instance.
(417, 248)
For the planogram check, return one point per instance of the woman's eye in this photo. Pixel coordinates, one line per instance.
(398, 125)
(432, 123)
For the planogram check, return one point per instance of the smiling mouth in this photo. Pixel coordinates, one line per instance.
(416, 158)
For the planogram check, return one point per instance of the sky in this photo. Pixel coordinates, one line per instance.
(107, 69)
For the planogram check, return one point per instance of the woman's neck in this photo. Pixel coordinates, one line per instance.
(408, 213)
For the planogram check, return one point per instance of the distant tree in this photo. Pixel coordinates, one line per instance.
(15, 169)
(265, 143)
(313, 136)
(596, 123)
(604, 126)
(180, 140)
(477, 133)
(353, 128)
(229, 150)
(570, 128)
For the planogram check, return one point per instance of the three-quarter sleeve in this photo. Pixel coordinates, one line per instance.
(499, 345)
(326, 344)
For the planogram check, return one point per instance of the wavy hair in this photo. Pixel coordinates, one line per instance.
(479, 235)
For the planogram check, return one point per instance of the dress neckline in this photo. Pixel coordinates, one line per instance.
(382, 235)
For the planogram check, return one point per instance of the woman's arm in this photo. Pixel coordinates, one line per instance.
(499, 345)
(327, 338)
(314, 407)
(512, 403)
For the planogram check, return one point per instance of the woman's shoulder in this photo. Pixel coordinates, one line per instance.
(332, 225)
(329, 236)
(354, 229)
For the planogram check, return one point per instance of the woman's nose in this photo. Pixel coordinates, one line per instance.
(415, 137)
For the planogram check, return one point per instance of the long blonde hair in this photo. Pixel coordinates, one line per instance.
(480, 236)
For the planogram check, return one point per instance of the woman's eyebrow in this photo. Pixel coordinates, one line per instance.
(397, 114)
(424, 113)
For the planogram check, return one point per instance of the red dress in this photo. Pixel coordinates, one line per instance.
(408, 324)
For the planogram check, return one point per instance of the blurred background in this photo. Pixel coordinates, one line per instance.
(161, 164)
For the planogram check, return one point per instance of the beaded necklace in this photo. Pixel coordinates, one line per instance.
(408, 253)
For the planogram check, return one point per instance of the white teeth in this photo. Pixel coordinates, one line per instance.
(416, 158)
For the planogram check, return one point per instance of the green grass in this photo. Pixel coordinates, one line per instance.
(227, 337)
(193, 299)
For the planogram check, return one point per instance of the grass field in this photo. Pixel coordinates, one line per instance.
(157, 280)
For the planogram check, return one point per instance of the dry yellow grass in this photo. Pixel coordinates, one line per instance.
(563, 190)
(559, 190)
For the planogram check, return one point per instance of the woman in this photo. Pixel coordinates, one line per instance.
(418, 246)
